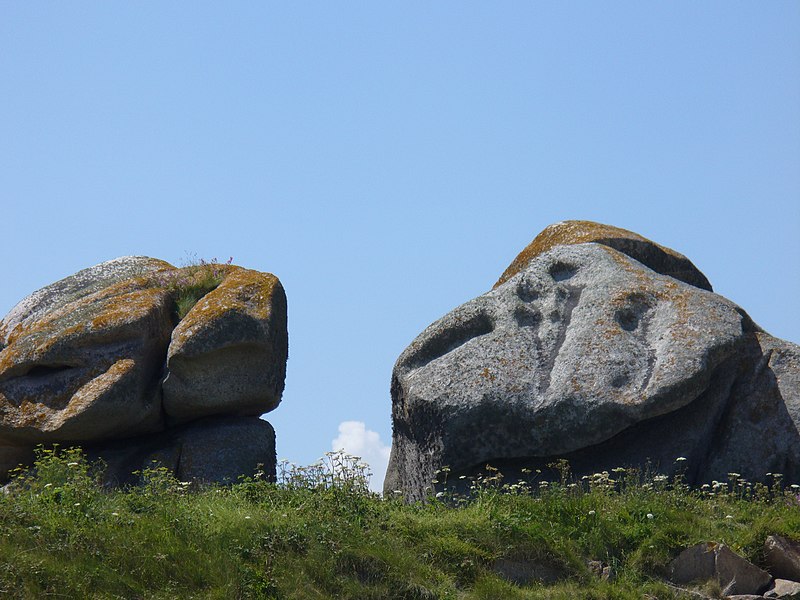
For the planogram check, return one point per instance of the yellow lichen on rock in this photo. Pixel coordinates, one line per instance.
(567, 233)
(242, 290)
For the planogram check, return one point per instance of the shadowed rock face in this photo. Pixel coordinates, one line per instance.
(101, 355)
(571, 352)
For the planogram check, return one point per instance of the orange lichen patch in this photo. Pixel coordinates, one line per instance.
(127, 308)
(568, 233)
(487, 374)
(9, 357)
(86, 396)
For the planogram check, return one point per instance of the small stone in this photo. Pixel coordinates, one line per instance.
(784, 589)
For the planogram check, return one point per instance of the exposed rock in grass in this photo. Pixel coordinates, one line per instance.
(711, 561)
(782, 557)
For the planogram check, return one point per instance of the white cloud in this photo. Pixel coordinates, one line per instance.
(354, 438)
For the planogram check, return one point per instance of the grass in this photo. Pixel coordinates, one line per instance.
(190, 283)
(319, 533)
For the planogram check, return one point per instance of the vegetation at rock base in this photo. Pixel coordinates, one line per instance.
(319, 533)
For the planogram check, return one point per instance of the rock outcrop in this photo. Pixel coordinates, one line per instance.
(602, 347)
(104, 356)
(703, 562)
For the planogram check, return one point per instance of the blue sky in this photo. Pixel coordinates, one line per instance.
(387, 162)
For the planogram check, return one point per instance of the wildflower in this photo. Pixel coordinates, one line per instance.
(650, 515)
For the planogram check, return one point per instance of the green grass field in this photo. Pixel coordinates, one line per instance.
(319, 533)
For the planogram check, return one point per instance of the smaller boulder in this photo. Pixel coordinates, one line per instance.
(710, 560)
(228, 354)
(782, 557)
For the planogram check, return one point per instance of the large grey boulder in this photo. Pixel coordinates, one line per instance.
(585, 352)
(106, 354)
(782, 557)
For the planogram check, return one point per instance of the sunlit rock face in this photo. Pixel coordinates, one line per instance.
(584, 351)
(228, 354)
(105, 355)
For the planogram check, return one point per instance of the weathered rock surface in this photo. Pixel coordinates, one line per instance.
(782, 557)
(707, 561)
(102, 355)
(229, 353)
(583, 351)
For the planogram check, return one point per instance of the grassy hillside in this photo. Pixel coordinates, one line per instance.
(320, 534)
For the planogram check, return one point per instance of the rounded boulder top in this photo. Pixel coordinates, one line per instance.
(659, 258)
